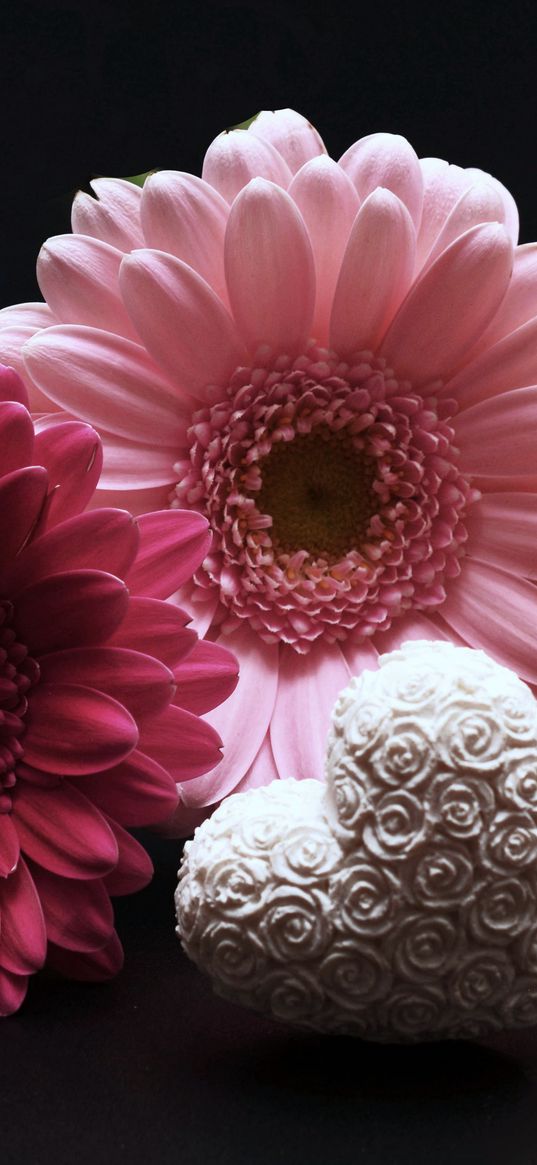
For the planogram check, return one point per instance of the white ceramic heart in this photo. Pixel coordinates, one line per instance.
(399, 900)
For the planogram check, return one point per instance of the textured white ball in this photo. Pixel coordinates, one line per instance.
(399, 900)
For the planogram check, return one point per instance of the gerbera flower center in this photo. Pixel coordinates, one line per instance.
(333, 493)
(18, 673)
(318, 492)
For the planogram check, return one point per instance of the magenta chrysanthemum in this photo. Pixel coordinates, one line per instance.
(100, 686)
(335, 363)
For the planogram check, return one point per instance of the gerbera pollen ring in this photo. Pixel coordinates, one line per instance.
(333, 493)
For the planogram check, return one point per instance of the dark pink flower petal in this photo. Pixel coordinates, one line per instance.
(93, 967)
(12, 386)
(9, 847)
(73, 730)
(23, 942)
(16, 435)
(78, 915)
(72, 609)
(155, 628)
(142, 684)
(173, 543)
(63, 832)
(182, 743)
(137, 792)
(99, 540)
(206, 678)
(72, 455)
(134, 869)
(22, 495)
(13, 988)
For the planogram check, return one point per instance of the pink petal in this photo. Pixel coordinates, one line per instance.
(140, 683)
(414, 625)
(269, 269)
(481, 202)
(173, 543)
(496, 612)
(375, 275)
(22, 496)
(183, 215)
(130, 465)
(502, 531)
(137, 792)
(79, 278)
(328, 204)
(113, 216)
(78, 367)
(63, 832)
(360, 657)
(13, 989)
(155, 628)
(242, 721)
(9, 846)
(443, 185)
(291, 134)
(23, 943)
(92, 967)
(262, 770)
(139, 501)
(27, 315)
(307, 690)
(12, 387)
(182, 743)
(72, 455)
(509, 364)
(234, 158)
(510, 209)
(16, 435)
(134, 869)
(497, 436)
(206, 678)
(78, 915)
(200, 604)
(183, 323)
(520, 301)
(75, 609)
(450, 305)
(74, 730)
(385, 159)
(101, 540)
(13, 337)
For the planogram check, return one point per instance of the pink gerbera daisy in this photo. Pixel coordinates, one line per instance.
(335, 363)
(99, 695)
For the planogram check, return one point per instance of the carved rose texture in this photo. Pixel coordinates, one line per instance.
(399, 902)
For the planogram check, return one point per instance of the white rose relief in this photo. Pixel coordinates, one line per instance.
(398, 901)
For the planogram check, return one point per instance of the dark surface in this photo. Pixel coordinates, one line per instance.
(154, 1068)
(111, 88)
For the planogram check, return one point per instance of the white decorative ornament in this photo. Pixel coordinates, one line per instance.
(397, 902)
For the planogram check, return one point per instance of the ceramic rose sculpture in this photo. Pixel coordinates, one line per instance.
(399, 901)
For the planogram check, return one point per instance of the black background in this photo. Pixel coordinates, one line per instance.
(152, 1067)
